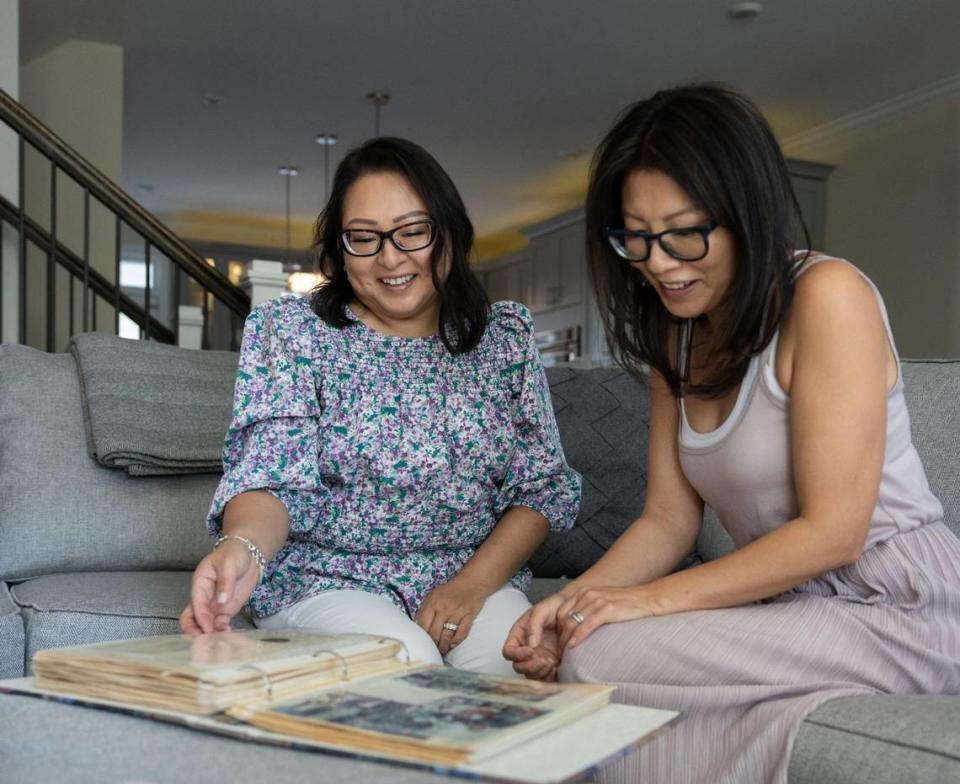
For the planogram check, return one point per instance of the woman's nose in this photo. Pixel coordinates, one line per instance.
(390, 255)
(659, 261)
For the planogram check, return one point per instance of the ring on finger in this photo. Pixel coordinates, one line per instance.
(451, 627)
(576, 616)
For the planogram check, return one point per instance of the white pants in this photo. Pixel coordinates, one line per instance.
(341, 612)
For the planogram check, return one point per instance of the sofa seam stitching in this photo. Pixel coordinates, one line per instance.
(947, 755)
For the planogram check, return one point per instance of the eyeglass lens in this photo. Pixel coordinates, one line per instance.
(682, 244)
(366, 242)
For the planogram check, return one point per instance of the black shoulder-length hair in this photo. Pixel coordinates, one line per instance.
(715, 144)
(464, 306)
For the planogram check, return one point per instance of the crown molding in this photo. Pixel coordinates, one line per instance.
(875, 115)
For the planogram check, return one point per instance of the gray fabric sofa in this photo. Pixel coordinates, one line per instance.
(88, 553)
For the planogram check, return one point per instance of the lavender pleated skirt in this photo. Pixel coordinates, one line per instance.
(745, 677)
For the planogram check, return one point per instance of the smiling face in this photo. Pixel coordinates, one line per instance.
(654, 202)
(394, 289)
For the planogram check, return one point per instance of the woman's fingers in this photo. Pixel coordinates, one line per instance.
(425, 617)
(444, 634)
(188, 624)
(464, 625)
(583, 618)
(221, 585)
(202, 589)
(515, 647)
(542, 615)
(593, 619)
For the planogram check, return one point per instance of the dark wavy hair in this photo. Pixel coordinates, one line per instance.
(715, 144)
(464, 306)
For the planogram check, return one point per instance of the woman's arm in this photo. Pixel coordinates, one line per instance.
(651, 547)
(225, 578)
(667, 530)
(838, 374)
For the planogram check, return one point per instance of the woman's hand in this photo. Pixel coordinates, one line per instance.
(533, 644)
(455, 603)
(590, 608)
(221, 585)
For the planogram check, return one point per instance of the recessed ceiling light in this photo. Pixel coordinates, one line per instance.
(210, 100)
(288, 171)
(325, 139)
(744, 10)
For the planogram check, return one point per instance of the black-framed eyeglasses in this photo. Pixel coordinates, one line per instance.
(368, 242)
(689, 243)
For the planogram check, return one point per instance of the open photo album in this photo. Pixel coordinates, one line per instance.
(351, 694)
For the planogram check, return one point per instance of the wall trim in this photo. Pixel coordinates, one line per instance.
(876, 114)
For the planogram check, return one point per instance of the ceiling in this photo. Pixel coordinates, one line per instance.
(509, 95)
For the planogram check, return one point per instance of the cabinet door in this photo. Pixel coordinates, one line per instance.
(557, 261)
(511, 281)
(571, 273)
(498, 284)
(545, 273)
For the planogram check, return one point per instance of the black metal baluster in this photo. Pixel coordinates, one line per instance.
(51, 264)
(86, 256)
(176, 305)
(146, 287)
(23, 244)
(117, 254)
(204, 341)
(2, 229)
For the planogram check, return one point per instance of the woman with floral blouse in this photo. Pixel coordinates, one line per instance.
(393, 459)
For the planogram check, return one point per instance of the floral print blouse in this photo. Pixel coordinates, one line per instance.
(394, 458)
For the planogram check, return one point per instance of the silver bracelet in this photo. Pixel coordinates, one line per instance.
(255, 551)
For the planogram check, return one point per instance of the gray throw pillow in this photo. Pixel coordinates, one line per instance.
(603, 415)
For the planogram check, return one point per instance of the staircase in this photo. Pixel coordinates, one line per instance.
(78, 254)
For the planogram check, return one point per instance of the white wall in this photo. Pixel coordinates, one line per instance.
(893, 208)
(9, 83)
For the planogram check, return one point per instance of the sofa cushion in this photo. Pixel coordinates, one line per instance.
(73, 609)
(11, 636)
(879, 740)
(931, 389)
(61, 511)
(603, 415)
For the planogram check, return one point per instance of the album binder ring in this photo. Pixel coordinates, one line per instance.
(266, 678)
(406, 653)
(344, 667)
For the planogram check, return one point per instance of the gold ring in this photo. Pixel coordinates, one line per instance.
(452, 627)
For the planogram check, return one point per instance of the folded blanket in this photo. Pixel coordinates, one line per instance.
(153, 409)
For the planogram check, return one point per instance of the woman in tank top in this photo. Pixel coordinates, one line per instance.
(776, 399)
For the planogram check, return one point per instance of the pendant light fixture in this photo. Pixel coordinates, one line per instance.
(288, 173)
(378, 99)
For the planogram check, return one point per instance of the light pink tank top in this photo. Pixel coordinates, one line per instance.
(744, 469)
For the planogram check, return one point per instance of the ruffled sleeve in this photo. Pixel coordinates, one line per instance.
(272, 440)
(538, 475)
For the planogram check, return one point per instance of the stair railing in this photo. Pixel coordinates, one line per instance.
(193, 279)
